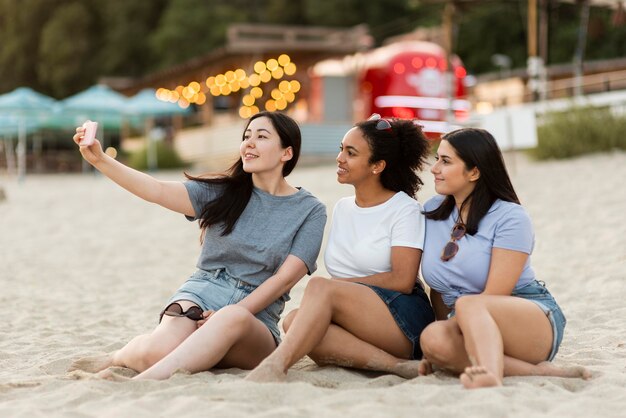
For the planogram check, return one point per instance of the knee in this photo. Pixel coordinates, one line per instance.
(436, 343)
(289, 319)
(317, 287)
(466, 304)
(234, 318)
(150, 354)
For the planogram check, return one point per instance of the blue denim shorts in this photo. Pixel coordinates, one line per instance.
(536, 292)
(412, 313)
(212, 290)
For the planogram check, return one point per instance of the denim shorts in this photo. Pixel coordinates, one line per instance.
(412, 313)
(536, 292)
(214, 289)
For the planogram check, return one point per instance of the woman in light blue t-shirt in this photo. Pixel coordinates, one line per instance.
(259, 237)
(494, 318)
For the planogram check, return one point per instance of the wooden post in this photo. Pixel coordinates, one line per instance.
(448, 30)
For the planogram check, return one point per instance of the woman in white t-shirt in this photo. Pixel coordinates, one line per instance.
(371, 313)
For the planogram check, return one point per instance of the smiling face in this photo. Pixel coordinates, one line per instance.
(353, 165)
(261, 150)
(451, 175)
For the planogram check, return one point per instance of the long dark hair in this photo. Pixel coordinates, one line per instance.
(403, 147)
(478, 148)
(238, 184)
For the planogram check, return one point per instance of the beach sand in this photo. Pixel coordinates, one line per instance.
(85, 266)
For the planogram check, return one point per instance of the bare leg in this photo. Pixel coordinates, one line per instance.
(92, 364)
(425, 367)
(443, 346)
(479, 377)
(353, 307)
(144, 350)
(341, 348)
(232, 337)
(494, 325)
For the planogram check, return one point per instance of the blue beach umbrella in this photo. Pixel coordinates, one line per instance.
(145, 106)
(21, 110)
(99, 103)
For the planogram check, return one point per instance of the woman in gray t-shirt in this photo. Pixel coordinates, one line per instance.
(260, 236)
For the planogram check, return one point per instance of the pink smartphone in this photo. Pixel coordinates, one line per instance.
(90, 132)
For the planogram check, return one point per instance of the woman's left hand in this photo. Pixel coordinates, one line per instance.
(206, 315)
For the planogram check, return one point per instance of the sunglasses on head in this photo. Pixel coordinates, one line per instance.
(174, 309)
(382, 124)
(451, 248)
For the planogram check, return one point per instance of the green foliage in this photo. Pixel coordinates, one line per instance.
(60, 47)
(167, 158)
(189, 28)
(127, 26)
(578, 131)
(21, 24)
(498, 28)
(65, 50)
(384, 18)
(501, 28)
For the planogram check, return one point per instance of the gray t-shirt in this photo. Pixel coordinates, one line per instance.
(268, 230)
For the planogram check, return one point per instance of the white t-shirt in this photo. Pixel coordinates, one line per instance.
(360, 239)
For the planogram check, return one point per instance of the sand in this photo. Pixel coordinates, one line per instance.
(84, 267)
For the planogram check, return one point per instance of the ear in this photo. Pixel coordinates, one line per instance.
(474, 174)
(378, 166)
(287, 154)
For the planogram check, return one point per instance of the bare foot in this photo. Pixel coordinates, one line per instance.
(425, 367)
(548, 369)
(479, 377)
(92, 364)
(108, 374)
(408, 369)
(267, 371)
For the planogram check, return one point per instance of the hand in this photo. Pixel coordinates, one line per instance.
(206, 315)
(92, 153)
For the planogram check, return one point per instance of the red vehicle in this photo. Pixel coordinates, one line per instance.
(404, 79)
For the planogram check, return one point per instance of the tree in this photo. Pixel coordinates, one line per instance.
(494, 28)
(67, 61)
(189, 28)
(21, 24)
(126, 29)
(385, 18)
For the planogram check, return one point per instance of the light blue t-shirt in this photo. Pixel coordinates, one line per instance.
(506, 225)
(268, 230)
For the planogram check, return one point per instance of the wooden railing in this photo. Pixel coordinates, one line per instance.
(259, 38)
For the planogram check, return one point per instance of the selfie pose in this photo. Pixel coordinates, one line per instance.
(260, 235)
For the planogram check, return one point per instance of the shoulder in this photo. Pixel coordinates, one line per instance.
(508, 210)
(434, 202)
(345, 203)
(204, 189)
(307, 199)
(509, 216)
(403, 202)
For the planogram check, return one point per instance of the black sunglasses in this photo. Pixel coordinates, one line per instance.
(174, 309)
(451, 248)
(382, 124)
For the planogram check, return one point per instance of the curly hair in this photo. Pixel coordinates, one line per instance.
(403, 147)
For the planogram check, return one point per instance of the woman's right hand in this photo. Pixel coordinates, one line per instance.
(92, 153)
(206, 315)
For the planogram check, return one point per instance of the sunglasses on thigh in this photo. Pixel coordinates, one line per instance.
(174, 309)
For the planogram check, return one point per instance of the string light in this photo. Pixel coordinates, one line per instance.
(232, 81)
